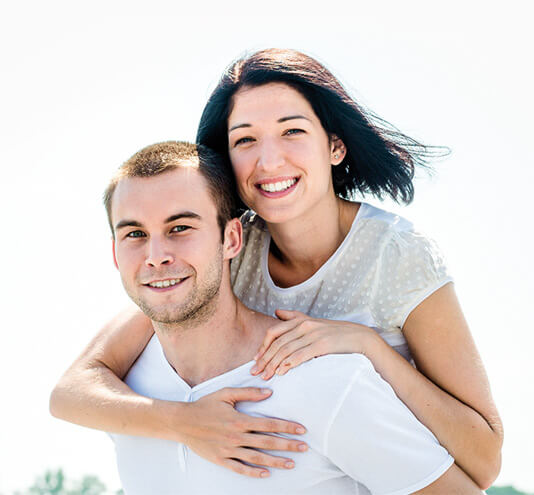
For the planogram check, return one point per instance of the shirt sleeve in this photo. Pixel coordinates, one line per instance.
(375, 439)
(411, 267)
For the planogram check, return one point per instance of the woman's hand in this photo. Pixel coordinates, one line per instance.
(224, 436)
(299, 338)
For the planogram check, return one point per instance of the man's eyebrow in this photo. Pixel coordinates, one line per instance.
(128, 223)
(172, 218)
(183, 214)
(280, 120)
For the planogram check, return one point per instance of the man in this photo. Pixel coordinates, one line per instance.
(174, 237)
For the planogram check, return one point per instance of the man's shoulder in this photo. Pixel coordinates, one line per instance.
(342, 367)
(323, 382)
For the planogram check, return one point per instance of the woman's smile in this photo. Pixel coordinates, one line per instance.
(280, 152)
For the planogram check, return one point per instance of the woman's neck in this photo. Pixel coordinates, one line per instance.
(303, 245)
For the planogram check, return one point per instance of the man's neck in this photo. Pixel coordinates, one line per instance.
(229, 337)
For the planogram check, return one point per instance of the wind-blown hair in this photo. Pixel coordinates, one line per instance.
(380, 160)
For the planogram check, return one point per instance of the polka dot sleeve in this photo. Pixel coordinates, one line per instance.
(411, 267)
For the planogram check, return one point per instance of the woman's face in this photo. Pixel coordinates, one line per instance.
(280, 153)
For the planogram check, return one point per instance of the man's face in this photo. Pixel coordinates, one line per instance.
(167, 244)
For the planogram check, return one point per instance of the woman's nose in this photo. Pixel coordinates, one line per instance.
(271, 156)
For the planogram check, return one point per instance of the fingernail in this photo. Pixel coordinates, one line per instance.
(265, 376)
(289, 464)
(254, 369)
(301, 430)
(303, 447)
(264, 474)
(266, 391)
(279, 371)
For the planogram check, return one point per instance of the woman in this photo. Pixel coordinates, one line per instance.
(299, 145)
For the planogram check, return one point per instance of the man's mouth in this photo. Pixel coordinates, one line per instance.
(159, 284)
(278, 186)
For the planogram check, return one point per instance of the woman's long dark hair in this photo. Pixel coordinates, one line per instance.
(380, 160)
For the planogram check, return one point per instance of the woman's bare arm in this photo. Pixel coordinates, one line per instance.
(91, 393)
(448, 392)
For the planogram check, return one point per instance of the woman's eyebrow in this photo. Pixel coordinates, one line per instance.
(291, 117)
(280, 120)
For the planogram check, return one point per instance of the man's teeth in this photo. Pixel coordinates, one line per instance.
(165, 283)
(278, 186)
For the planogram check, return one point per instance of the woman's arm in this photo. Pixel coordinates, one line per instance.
(448, 392)
(92, 394)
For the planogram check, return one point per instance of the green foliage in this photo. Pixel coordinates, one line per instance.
(55, 483)
(504, 490)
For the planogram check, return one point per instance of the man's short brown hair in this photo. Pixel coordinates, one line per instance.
(162, 157)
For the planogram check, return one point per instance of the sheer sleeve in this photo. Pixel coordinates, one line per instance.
(411, 267)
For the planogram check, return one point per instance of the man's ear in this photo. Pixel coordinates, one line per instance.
(338, 150)
(114, 255)
(233, 239)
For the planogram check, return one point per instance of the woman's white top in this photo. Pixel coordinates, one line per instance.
(381, 271)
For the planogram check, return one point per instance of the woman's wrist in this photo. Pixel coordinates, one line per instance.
(170, 420)
(372, 345)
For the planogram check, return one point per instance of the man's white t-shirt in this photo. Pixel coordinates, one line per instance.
(362, 438)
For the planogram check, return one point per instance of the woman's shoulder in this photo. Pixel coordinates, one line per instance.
(390, 222)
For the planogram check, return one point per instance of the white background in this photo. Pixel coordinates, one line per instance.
(85, 86)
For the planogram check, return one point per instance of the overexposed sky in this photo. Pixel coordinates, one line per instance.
(85, 86)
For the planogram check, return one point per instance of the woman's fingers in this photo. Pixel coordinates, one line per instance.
(272, 425)
(298, 357)
(283, 352)
(272, 442)
(286, 314)
(259, 458)
(240, 468)
(250, 394)
(273, 333)
(275, 347)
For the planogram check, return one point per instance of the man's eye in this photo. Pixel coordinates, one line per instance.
(135, 234)
(180, 228)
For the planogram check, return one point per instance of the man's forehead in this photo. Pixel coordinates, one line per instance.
(177, 189)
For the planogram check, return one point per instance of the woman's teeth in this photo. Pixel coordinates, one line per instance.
(165, 283)
(278, 186)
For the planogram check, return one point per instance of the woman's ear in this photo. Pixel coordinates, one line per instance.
(233, 238)
(338, 150)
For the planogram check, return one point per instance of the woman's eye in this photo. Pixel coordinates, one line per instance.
(180, 228)
(243, 140)
(135, 234)
(290, 132)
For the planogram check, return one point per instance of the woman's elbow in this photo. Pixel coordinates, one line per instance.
(491, 464)
(56, 403)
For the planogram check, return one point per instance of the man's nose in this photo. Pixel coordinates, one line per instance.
(271, 156)
(158, 253)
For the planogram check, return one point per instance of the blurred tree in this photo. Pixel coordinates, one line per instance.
(55, 483)
(504, 490)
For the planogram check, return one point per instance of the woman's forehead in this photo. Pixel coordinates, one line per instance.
(274, 100)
